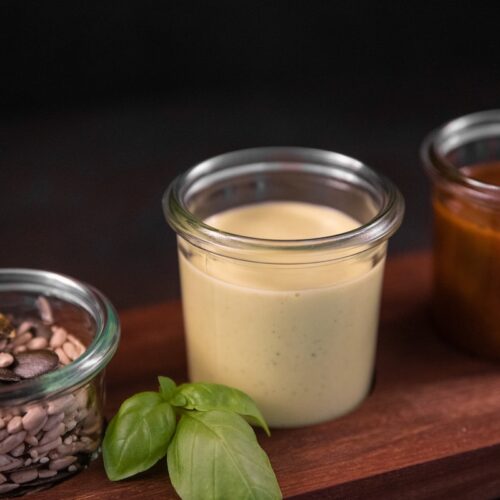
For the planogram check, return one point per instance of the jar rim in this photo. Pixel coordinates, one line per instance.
(96, 356)
(455, 133)
(379, 228)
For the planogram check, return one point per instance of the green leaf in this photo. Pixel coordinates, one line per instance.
(204, 397)
(167, 387)
(138, 435)
(140, 402)
(215, 455)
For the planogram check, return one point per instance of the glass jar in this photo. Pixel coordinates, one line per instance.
(292, 323)
(462, 159)
(51, 426)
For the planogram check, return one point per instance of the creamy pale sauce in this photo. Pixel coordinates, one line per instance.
(299, 339)
(283, 220)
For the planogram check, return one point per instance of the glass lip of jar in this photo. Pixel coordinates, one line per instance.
(457, 132)
(97, 354)
(382, 226)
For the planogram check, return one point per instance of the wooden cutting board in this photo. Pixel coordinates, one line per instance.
(430, 428)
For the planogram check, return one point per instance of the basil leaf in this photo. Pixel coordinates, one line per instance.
(215, 455)
(167, 387)
(141, 401)
(204, 397)
(138, 435)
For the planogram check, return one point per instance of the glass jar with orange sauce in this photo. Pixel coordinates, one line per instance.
(463, 161)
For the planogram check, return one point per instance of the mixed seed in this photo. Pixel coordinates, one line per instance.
(44, 442)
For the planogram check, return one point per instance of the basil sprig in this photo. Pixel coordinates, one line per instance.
(212, 452)
(206, 397)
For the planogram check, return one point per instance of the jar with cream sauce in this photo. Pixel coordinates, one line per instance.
(281, 255)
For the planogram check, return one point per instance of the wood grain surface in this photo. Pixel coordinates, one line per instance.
(430, 428)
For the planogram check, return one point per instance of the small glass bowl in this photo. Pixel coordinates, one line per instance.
(51, 426)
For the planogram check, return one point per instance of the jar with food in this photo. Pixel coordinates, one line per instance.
(56, 336)
(463, 161)
(281, 254)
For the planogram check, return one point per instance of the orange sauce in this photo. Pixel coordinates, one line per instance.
(467, 266)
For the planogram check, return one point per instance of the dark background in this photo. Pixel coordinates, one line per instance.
(103, 103)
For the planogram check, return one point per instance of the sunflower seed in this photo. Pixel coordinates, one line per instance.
(33, 418)
(6, 359)
(44, 309)
(62, 463)
(59, 335)
(15, 425)
(12, 441)
(24, 476)
(46, 473)
(37, 343)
